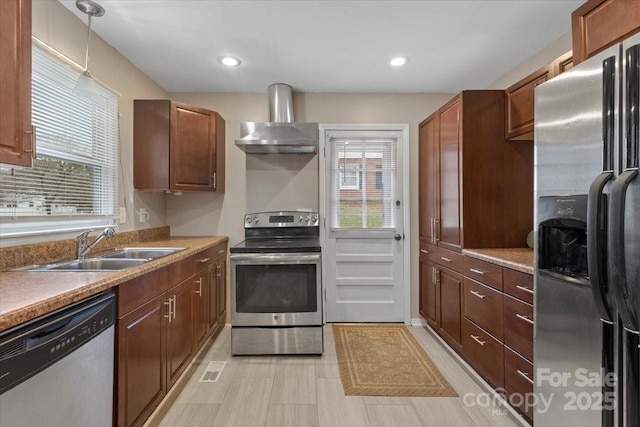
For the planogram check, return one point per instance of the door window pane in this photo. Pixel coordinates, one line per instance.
(363, 182)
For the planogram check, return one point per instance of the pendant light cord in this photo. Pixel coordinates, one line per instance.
(86, 58)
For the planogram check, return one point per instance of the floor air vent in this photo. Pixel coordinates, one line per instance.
(213, 372)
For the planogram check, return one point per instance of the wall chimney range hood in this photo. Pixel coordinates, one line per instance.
(280, 134)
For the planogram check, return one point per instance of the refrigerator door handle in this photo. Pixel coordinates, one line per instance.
(608, 112)
(632, 119)
(596, 244)
(616, 249)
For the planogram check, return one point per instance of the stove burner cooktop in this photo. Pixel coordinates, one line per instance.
(277, 246)
(280, 232)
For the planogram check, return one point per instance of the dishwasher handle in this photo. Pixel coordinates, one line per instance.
(52, 331)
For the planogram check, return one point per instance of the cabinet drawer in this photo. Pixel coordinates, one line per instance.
(483, 305)
(518, 284)
(220, 250)
(518, 326)
(482, 271)
(485, 353)
(518, 378)
(447, 258)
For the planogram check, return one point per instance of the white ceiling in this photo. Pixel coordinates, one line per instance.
(329, 46)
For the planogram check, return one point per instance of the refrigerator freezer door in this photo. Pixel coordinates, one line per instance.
(569, 155)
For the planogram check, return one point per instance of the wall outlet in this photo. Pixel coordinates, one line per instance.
(123, 215)
(143, 215)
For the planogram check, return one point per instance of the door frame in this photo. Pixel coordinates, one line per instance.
(403, 143)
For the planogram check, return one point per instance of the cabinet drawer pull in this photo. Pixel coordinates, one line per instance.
(525, 318)
(446, 259)
(199, 291)
(203, 260)
(478, 294)
(525, 289)
(424, 251)
(221, 252)
(477, 339)
(170, 310)
(480, 272)
(525, 376)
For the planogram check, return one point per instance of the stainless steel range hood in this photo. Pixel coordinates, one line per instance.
(281, 134)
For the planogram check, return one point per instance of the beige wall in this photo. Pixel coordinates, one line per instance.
(253, 183)
(56, 26)
(264, 182)
(543, 57)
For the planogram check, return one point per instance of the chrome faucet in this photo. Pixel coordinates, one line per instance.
(84, 248)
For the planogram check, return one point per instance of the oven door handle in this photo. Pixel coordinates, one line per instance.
(271, 258)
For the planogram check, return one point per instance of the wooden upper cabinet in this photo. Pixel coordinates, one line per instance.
(520, 98)
(428, 178)
(520, 104)
(483, 196)
(17, 140)
(177, 147)
(598, 24)
(563, 63)
(448, 222)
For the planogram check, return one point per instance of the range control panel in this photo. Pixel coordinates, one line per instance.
(281, 219)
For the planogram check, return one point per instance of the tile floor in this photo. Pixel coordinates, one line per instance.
(305, 391)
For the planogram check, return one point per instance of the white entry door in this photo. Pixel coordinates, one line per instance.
(362, 202)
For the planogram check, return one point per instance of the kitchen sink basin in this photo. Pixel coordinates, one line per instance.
(89, 264)
(111, 260)
(139, 253)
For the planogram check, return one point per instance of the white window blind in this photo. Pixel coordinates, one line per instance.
(363, 186)
(73, 181)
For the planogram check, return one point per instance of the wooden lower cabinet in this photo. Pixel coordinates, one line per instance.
(201, 294)
(450, 302)
(161, 326)
(485, 313)
(518, 380)
(141, 367)
(179, 330)
(484, 353)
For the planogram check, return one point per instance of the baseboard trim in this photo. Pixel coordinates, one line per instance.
(515, 416)
(417, 321)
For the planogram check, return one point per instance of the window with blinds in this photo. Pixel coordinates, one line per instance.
(73, 182)
(363, 182)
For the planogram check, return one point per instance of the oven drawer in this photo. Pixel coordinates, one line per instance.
(297, 340)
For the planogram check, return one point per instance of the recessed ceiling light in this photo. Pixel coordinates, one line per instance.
(399, 61)
(229, 61)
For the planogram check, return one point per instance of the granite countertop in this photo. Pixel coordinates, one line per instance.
(520, 259)
(26, 295)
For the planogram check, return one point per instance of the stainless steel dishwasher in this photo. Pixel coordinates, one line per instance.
(57, 370)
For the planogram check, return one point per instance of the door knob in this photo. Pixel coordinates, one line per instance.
(398, 237)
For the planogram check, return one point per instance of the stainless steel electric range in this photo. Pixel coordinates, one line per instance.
(276, 304)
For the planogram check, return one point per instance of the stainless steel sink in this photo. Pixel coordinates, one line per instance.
(111, 260)
(87, 264)
(138, 253)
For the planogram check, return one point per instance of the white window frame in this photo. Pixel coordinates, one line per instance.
(344, 175)
(26, 224)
